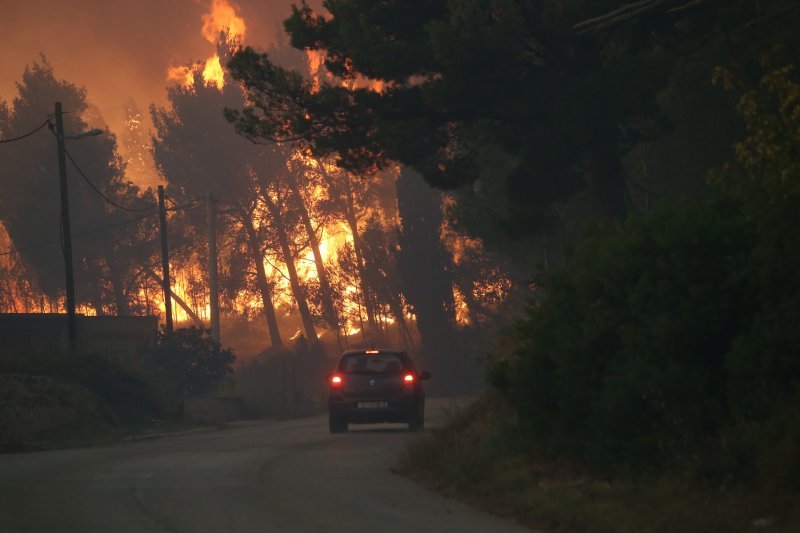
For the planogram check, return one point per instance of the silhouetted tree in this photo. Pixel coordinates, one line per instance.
(107, 241)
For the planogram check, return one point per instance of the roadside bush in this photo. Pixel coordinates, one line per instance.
(624, 361)
(657, 339)
(131, 391)
(673, 338)
(192, 361)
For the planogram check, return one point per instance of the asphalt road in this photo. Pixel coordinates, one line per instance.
(258, 476)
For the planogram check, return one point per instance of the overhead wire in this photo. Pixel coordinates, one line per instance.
(15, 139)
(190, 205)
(175, 207)
(99, 192)
(92, 185)
(80, 234)
(170, 200)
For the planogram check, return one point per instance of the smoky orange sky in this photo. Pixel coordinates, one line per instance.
(119, 49)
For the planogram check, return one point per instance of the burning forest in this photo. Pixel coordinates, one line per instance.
(307, 251)
(577, 219)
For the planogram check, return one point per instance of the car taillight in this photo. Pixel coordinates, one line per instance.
(336, 381)
(408, 379)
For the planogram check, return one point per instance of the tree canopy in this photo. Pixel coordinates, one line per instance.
(558, 91)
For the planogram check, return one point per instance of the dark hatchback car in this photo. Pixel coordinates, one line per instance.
(371, 386)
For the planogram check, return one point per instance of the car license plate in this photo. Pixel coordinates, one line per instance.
(372, 405)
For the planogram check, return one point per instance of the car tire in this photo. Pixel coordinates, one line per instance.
(416, 424)
(337, 424)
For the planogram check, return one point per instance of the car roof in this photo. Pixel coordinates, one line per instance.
(379, 350)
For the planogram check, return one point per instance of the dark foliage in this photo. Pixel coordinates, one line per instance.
(658, 336)
(131, 391)
(558, 91)
(625, 358)
(674, 336)
(192, 361)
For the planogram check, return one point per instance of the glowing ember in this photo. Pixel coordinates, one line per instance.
(462, 311)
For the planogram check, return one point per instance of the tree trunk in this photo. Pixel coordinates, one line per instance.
(424, 265)
(396, 307)
(96, 300)
(366, 293)
(328, 309)
(608, 180)
(352, 222)
(120, 299)
(607, 185)
(294, 280)
(261, 280)
(92, 277)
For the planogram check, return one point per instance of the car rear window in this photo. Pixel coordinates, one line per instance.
(371, 364)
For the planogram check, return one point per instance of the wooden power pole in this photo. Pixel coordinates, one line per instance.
(213, 283)
(162, 215)
(66, 232)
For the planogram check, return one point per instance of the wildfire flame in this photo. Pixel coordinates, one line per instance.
(315, 60)
(316, 64)
(220, 20)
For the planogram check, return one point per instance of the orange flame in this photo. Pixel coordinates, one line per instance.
(315, 60)
(183, 75)
(316, 64)
(221, 19)
(213, 72)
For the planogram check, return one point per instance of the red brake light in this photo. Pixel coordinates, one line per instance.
(408, 378)
(336, 381)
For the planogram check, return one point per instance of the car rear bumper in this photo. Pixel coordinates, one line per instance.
(397, 410)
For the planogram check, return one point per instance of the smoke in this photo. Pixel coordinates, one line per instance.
(119, 50)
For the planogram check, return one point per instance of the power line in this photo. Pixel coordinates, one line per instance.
(191, 205)
(14, 139)
(92, 185)
(99, 192)
(81, 234)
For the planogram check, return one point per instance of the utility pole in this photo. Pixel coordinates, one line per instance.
(162, 215)
(66, 232)
(213, 285)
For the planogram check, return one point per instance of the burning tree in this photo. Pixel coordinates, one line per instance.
(195, 151)
(395, 263)
(282, 207)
